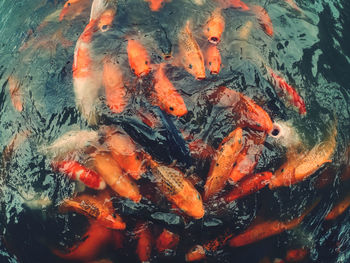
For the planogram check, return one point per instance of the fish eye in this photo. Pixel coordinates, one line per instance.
(68, 4)
(190, 66)
(146, 62)
(209, 63)
(171, 108)
(133, 70)
(104, 28)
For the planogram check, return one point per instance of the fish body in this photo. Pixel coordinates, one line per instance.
(114, 86)
(111, 172)
(167, 240)
(15, 89)
(78, 172)
(244, 32)
(213, 59)
(250, 114)
(73, 8)
(93, 241)
(156, 5)
(296, 255)
(101, 212)
(300, 166)
(293, 5)
(238, 4)
(339, 208)
(292, 95)
(191, 55)
(263, 18)
(248, 186)
(144, 242)
(178, 190)
(124, 151)
(223, 163)
(139, 59)
(166, 96)
(214, 27)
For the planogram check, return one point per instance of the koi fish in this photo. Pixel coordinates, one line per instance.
(213, 59)
(73, 8)
(200, 149)
(296, 255)
(124, 151)
(339, 208)
(156, 5)
(87, 80)
(222, 164)
(93, 241)
(166, 96)
(144, 243)
(71, 141)
(248, 186)
(111, 172)
(101, 211)
(214, 27)
(80, 173)
(244, 32)
(250, 114)
(15, 93)
(249, 156)
(178, 190)
(300, 166)
(139, 59)
(190, 52)
(114, 86)
(263, 19)
(167, 240)
(199, 252)
(238, 4)
(293, 5)
(260, 231)
(292, 95)
(118, 239)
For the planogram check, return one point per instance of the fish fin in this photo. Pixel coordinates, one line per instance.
(97, 7)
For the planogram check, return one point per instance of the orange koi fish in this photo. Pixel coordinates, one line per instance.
(251, 114)
(167, 240)
(139, 59)
(15, 93)
(78, 172)
(214, 27)
(100, 210)
(124, 151)
(263, 19)
(93, 241)
(178, 190)
(249, 156)
(199, 251)
(248, 186)
(213, 59)
(73, 8)
(114, 86)
(238, 4)
(339, 208)
(260, 231)
(144, 243)
(156, 5)
(166, 96)
(292, 95)
(118, 239)
(87, 80)
(296, 255)
(222, 164)
(190, 52)
(115, 178)
(300, 166)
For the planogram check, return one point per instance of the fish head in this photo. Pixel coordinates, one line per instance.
(191, 201)
(195, 66)
(106, 19)
(195, 254)
(66, 8)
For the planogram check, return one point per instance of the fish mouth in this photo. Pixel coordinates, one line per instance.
(214, 72)
(276, 130)
(201, 77)
(167, 56)
(214, 40)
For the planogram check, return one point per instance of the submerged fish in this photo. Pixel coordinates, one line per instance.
(339, 208)
(213, 59)
(191, 55)
(178, 190)
(263, 19)
(166, 96)
(73, 8)
(114, 86)
(223, 162)
(156, 5)
(296, 255)
(167, 240)
(214, 27)
(16, 93)
(238, 4)
(144, 242)
(99, 208)
(139, 59)
(111, 172)
(299, 166)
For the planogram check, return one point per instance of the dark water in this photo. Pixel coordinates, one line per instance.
(311, 49)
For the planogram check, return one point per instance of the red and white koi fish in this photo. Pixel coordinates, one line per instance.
(263, 19)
